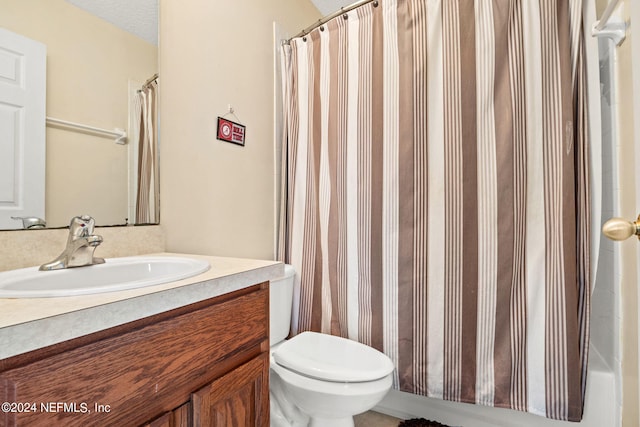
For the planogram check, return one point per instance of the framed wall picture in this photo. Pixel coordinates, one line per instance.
(231, 131)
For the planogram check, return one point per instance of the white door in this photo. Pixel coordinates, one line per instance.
(629, 226)
(634, 12)
(22, 128)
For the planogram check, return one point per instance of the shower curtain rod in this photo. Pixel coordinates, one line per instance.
(606, 15)
(328, 18)
(154, 77)
(616, 31)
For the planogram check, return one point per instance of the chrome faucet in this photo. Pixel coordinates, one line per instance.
(30, 221)
(80, 246)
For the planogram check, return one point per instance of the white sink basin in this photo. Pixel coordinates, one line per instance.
(116, 274)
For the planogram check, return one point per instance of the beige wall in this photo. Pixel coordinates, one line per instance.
(89, 64)
(217, 198)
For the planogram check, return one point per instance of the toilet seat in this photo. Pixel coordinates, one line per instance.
(330, 358)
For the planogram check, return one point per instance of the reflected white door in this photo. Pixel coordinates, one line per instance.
(22, 128)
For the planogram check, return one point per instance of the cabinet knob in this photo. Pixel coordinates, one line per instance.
(621, 229)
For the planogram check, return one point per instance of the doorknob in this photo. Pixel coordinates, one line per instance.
(621, 229)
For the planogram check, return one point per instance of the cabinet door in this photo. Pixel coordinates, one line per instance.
(239, 398)
(177, 418)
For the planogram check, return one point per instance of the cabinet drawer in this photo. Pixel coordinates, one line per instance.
(135, 375)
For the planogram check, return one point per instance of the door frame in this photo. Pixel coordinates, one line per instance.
(634, 13)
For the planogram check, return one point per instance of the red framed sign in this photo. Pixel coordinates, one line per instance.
(230, 131)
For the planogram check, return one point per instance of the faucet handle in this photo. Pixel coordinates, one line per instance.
(81, 226)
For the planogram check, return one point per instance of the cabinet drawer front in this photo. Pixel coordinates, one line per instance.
(133, 377)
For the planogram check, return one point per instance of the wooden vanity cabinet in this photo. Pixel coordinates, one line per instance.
(206, 364)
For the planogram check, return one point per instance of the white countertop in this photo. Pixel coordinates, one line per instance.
(30, 323)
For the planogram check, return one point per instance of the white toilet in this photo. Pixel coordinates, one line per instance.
(317, 379)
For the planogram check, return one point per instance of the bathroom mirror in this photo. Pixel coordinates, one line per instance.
(95, 69)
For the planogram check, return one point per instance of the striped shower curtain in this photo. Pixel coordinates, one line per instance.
(148, 190)
(436, 195)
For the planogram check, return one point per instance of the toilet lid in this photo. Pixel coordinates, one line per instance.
(332, 358)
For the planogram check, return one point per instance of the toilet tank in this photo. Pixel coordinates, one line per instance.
(280, 303)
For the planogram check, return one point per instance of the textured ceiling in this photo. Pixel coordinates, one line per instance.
(327, 7)
(140, 17)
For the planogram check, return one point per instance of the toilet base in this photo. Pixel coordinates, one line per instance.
(331, 422)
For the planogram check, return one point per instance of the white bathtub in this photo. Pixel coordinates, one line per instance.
(600, 407)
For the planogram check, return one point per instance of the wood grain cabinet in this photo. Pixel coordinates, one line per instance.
(205, 364)
(240, 398)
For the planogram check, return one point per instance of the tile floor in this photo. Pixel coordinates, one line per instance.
(375, 419)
